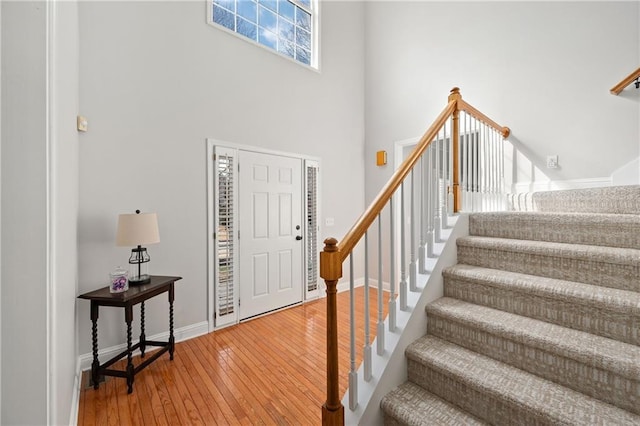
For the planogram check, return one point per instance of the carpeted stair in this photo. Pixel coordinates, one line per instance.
(540, 323)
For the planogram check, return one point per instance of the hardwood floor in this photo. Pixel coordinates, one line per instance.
(270, 370)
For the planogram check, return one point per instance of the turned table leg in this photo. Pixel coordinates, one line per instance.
(95, 365)
(142, 336)
(171, 338)
(130, 370)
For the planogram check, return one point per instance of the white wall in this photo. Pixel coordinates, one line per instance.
(542, 68)
(39, 210)
(155, 82)
(0, 213)
(629, 174)
(64, 206)
(24, 214)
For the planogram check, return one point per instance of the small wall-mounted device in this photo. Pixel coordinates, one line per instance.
(552, 161)
(82, 124)
(381, 158)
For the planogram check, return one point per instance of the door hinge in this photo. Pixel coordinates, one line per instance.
(214, 235)
(215, 315)
(215, 157)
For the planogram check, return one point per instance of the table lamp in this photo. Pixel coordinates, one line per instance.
(135, 230)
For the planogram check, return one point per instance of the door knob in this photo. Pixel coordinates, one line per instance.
(298, 237)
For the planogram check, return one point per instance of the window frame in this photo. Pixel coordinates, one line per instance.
(314, 60)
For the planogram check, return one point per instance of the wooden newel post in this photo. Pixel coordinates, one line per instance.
(331, 272)
(455, 142)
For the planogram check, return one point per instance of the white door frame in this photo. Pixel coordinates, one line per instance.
(307, 161)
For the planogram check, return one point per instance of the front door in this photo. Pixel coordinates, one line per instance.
(270, 207)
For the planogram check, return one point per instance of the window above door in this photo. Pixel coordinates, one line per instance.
(287, 27)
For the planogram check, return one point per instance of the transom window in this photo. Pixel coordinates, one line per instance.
(285, 26)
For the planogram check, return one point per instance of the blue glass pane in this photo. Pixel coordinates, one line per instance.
(303, 19)
(267, 19)
(223, 17)
(247, 29)
(286, 29)
(267, 38)
(286, 9)
(286, 47)
(303, 56)
(247, 9)
(306, 3)
(227, 4)
(303, 38)
(271, 4)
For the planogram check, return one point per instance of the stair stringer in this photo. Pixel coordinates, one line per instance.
(390, 369)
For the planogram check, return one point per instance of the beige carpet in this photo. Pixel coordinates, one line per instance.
(540, 323)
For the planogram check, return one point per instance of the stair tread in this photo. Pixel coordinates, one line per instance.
(575, 292)
(613, 230)
(614, 199)
(590, 349)
(613, 255)
(579, 216)
(554, 402)
(413, 405)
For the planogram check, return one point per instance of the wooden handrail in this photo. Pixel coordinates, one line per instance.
(335, 252)
(469, 109)
(615, 90)
(357, 231)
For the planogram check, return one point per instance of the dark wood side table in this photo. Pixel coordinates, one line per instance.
(133, 296)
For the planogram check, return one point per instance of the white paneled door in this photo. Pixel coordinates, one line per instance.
(271, 230)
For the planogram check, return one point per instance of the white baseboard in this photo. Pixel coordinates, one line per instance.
(343, 285)
(554, 185)
(75, 395)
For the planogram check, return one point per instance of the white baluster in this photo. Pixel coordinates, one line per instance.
(465, 179)
(413, 267)
(481, 166)
(353, 373)
(495, 169)
(403, 253)
(380, 328)
(422, 223)
(503, 186)
(392, 272)
(487, 143)
(367, 335)
(473, 150)
(443, 191)
(437, 223)
(429, 197)
(451, 177)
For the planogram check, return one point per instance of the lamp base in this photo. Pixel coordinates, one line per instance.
(142, 279)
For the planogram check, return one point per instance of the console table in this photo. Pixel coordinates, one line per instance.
(133, 296)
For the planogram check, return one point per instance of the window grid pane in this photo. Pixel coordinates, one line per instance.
(224, 17)
(248, 10)
(282, 25)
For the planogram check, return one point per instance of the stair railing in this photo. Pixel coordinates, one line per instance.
(615, 90)
(458, 163)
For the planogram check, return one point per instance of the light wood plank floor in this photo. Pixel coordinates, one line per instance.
(270, 370)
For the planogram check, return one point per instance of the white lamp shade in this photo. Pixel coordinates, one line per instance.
(137, 229)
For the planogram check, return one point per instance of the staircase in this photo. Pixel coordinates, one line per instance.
(539, 323)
